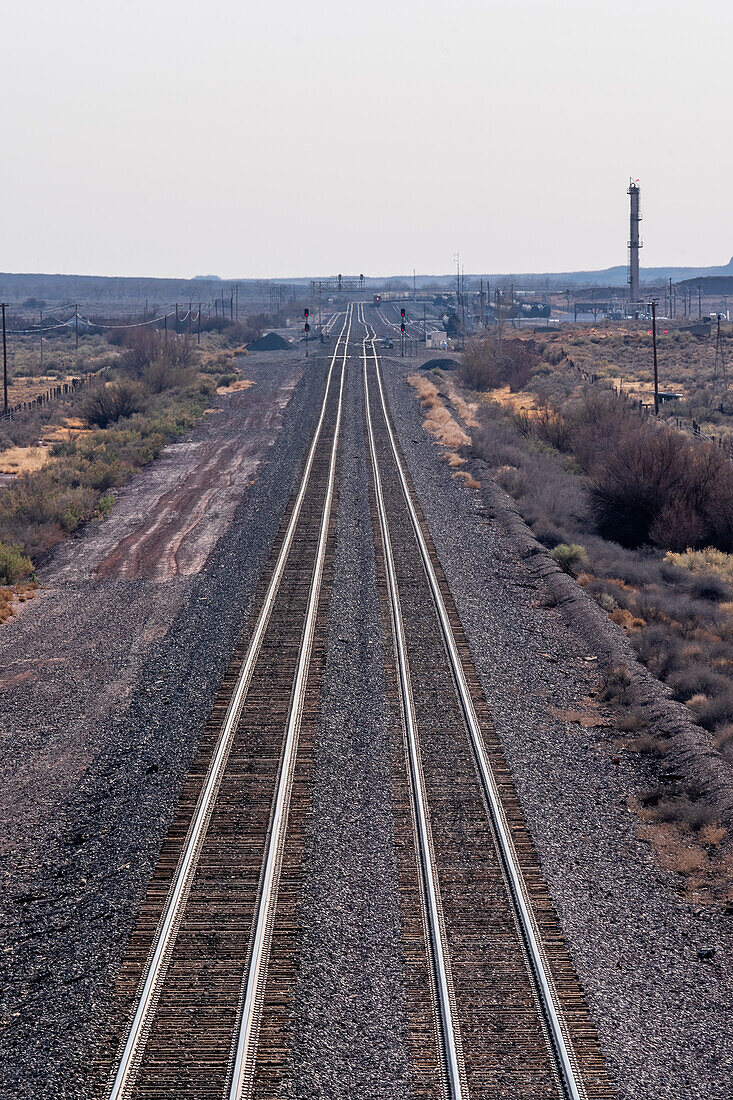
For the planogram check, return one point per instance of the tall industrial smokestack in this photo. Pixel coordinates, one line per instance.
(634, 242)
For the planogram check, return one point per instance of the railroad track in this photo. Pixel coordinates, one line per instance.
(209, 977)
(200, 966)
(476, 842)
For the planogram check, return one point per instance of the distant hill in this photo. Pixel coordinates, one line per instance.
(558, 280)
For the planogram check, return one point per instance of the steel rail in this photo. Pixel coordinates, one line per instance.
(448, 1025)
(147, 999)
(570, 1081)
(253, 993)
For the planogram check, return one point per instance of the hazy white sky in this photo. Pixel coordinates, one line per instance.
(166, 137)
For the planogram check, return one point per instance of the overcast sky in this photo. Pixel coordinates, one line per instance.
(166, 137)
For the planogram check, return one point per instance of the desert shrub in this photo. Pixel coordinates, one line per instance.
(489, 361)
(653, 485)
(547, 532)
(706, 586)
(105, 405)
(617, 686)
(15, 566)
(160, 363)
(658, 648)
(694, 813)
(569, 556)
(645, 743)
(553, 354)
(696, 679)
(715, 711)
(599, 420)
(552, 427)
(724, 740)
(606, 602)
(709, 560)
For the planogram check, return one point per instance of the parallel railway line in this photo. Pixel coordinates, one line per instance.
(209, 976)
(420, 570)
(294, 583)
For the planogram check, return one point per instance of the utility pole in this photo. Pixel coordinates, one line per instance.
(236, 302)
(231, 305)
(671, 307)
(656, 374)
(177, 325)
(190, 319)
(5, 363)
(424, 324)
(198, 328)
(414, 286)
(699, 302)
(76, 325)
(41, 341)
(720, 358)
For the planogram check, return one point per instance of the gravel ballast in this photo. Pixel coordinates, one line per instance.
(663, 1014)
(350, 1022)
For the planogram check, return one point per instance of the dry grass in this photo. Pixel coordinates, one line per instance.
(468, 479)
(521, 401)
(438, 421)
(235, 387)
(27, 389)
(23, 460)
(467, 410)
(11, 598)
(441, 424)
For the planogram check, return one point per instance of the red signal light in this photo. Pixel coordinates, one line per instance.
(402, 327)
(305, 313)
(402, 312)
(665, 331)
(307, 327)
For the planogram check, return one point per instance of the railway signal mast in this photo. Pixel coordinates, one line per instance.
(402, 330)
(307, 330)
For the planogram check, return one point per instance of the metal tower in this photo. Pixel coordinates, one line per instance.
(634, 193)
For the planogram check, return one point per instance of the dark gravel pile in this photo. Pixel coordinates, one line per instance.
(70, 897)
(439, 364)
(663, 1014)
(351, 1028)
(271, 341)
